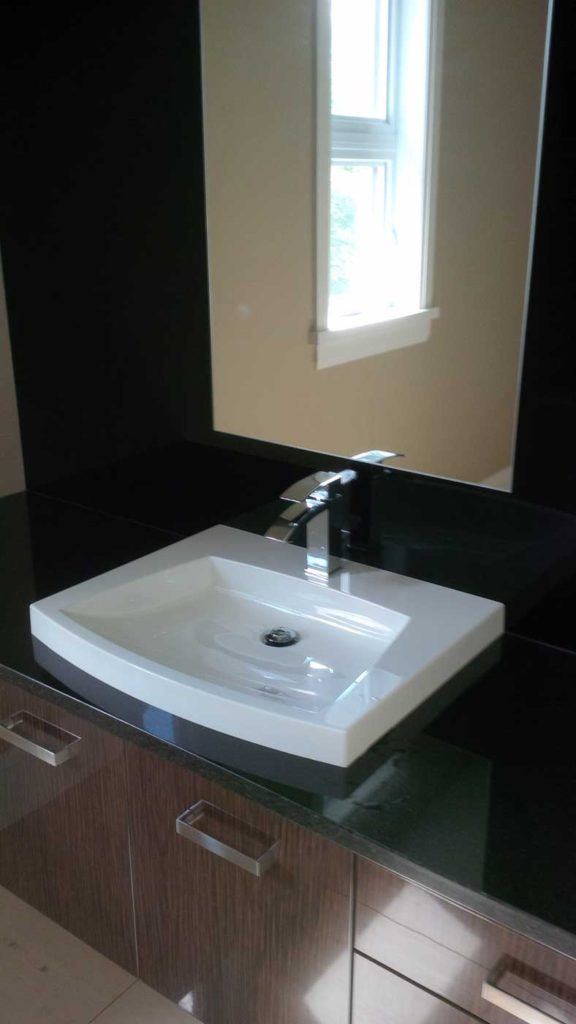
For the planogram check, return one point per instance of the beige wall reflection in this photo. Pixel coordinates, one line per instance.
(449, 403)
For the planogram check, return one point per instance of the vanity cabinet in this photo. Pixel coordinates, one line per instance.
(445, 953)
(63, 821)
(241, 916)
(230, 910)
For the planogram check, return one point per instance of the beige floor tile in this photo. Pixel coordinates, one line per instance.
(142, 1005)
(47, 975)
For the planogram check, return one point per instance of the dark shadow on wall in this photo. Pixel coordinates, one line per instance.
(102, 228)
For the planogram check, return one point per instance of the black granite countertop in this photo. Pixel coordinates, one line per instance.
(480, 804)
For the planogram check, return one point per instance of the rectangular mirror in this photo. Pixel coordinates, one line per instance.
(371, 170)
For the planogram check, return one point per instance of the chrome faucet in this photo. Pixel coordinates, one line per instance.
(320, 503)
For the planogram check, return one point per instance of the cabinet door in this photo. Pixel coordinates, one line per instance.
(242, 917)
(381, 997)
(489, 971)
(63, 822)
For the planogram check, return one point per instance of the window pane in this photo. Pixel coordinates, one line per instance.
(359, 57)
(362, 280)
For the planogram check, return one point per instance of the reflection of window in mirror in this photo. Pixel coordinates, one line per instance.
(450, 402)
(377, 120)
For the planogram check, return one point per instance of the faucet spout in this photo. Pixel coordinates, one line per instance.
(318, 502)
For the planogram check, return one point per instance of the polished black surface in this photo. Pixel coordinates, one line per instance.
(471, 538)
(547, 414)
(102, 224)
(47, 545)
(480, 797)
(103, 242)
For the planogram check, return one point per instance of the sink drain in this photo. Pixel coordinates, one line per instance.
(280, 637)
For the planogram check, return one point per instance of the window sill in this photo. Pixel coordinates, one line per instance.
(354, 343)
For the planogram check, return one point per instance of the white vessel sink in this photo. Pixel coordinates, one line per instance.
(182, 630)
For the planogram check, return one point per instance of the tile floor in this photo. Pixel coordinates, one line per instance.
(47, 976)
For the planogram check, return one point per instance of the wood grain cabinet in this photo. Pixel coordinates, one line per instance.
(235, 913)
(472, 964)
(381, 997)
(242, 917)
(63, 821)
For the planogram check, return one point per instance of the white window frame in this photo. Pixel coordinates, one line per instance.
(411, 325)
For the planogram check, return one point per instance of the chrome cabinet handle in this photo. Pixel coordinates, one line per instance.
(529, 984)
(19, 727)
(228, 837)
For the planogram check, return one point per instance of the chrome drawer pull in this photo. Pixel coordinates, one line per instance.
(216, 831)
(529, 984)
(21, 726)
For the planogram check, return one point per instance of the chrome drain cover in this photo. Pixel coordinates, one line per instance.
(280, 637)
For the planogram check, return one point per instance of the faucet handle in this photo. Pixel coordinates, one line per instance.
(318, 486)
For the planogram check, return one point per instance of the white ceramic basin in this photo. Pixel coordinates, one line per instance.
(182, 630)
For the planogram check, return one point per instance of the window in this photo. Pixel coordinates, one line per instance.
(376, 124)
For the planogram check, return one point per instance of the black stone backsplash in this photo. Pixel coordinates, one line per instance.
(105, 263)
(469, 538)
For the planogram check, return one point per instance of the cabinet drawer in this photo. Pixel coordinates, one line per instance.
(242, 916)
(473, 963)
(64, 821)
(381, 997)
